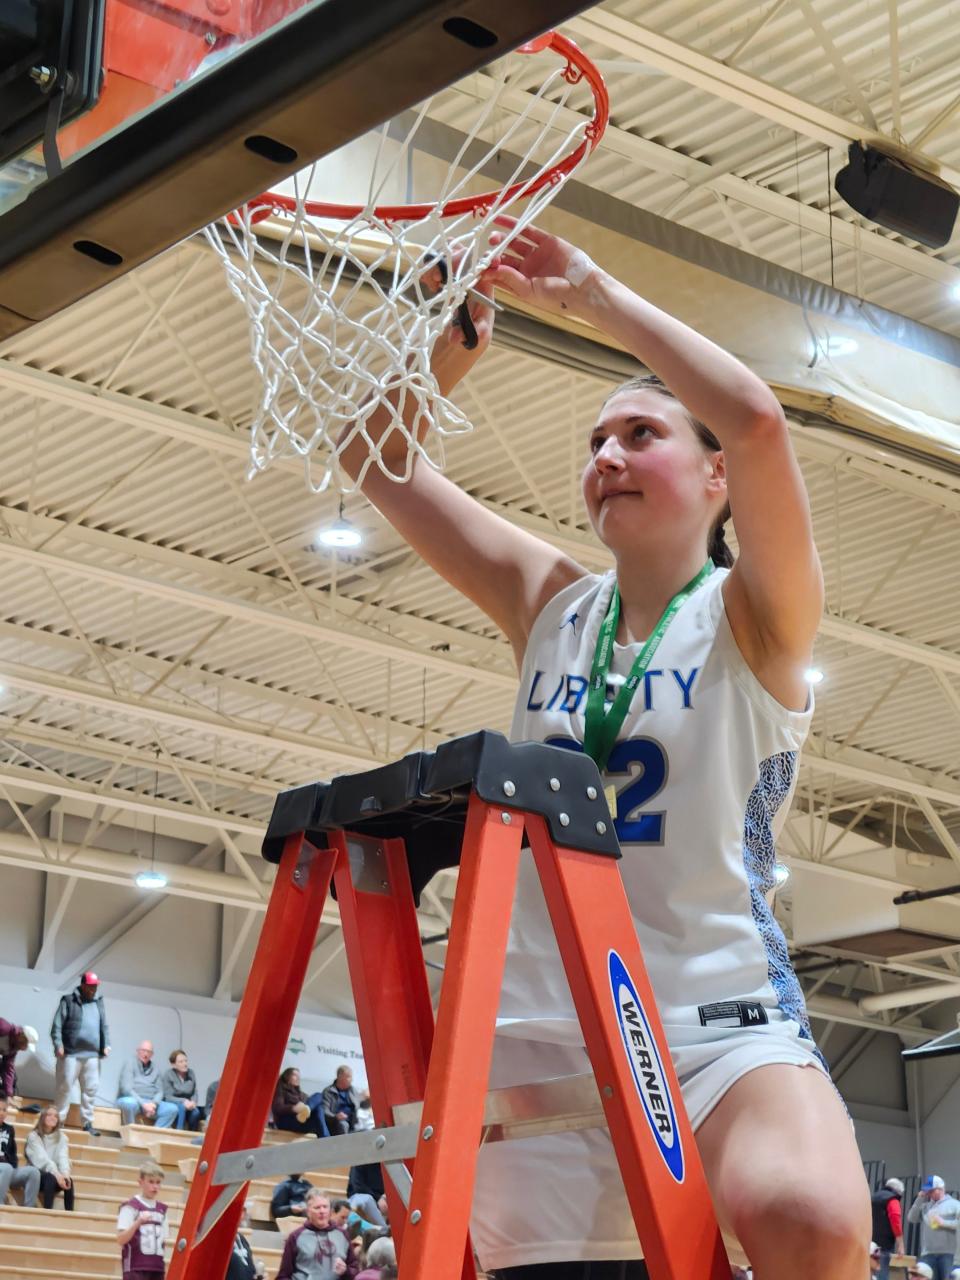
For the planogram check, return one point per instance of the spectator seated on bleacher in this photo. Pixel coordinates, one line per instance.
(344, 1213)
(141, 1091)
(382, 1253)
(47, 1150)
(11, 1175)
(365, 1188)
(293, 1110)
(364, 1114)
(13, 1040)
(340, 1103)
(180, 1087)
(289, 1197)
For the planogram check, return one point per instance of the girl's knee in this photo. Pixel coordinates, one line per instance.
(828, 1227)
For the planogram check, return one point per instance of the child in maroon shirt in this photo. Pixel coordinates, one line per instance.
(142, 1228)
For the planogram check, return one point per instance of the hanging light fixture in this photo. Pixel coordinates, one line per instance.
(341, 533)
(151, 878)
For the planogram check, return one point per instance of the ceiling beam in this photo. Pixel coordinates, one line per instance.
(866, 766)
(818, 754)
(196, 674)
(53, 914)
(19, 777)
(107, 866)
(851, 1055)
(652, 49)
(944, 835)
(346, 635)
(112, 867)
(267, 589)
(106, 749)
(66, 689)
(350, 636)
(634, 149)
(894, 646)
(77, 396)
(34, 813)
(149, 901)
(223, 987)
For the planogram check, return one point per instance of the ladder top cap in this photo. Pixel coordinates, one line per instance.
(428, 791)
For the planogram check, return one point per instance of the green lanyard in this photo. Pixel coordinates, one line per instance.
(601, 727)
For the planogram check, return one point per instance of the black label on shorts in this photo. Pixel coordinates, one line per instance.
(733, 1013)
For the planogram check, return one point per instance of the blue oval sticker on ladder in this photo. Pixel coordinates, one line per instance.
(646, 1066)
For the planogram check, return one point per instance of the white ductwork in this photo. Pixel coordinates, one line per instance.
(848, 1012)
(949, 990)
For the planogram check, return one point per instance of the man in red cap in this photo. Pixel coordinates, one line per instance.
(80, 1039)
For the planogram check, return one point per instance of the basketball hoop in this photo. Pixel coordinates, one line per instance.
(342, 321)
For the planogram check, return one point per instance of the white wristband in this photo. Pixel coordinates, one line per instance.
(579, 267)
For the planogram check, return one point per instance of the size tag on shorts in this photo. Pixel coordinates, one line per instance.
(733, 1013)
(610, 793)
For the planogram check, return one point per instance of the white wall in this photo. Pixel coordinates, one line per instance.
(884, 1102)
(894, 1143)
(172, 1020)
(21, 914)
(939, 1092)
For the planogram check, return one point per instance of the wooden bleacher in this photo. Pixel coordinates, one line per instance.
(48, 1244)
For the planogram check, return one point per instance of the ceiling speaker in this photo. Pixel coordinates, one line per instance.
(898, 195)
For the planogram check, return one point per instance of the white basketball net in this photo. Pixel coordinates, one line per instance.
(342, 322)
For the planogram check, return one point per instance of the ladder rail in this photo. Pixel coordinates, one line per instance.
(429, 1082)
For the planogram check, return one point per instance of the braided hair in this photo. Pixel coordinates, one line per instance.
(717, 548)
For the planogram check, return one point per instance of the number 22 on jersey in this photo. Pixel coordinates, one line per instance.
(632, 826)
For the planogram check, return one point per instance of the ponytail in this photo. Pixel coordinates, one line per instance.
(718, 551)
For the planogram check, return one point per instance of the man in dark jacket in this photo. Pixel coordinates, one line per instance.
(11, 1175)
(290, 1196)
(340, 1101)
(887, 1223)
(13, 1040)
(80, 1039)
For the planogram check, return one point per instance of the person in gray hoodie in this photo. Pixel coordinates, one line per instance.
(141, 1091)
(939, 1216)
(46, 1149)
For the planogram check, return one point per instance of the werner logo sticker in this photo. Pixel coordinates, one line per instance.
(646, 1066)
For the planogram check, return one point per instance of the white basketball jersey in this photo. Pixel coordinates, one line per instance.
(704, 768)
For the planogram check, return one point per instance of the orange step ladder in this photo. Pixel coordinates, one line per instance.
(379, 837)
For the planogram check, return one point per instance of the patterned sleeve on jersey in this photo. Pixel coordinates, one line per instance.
(759, 858)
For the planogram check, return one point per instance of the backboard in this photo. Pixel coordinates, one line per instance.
(200, 105)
